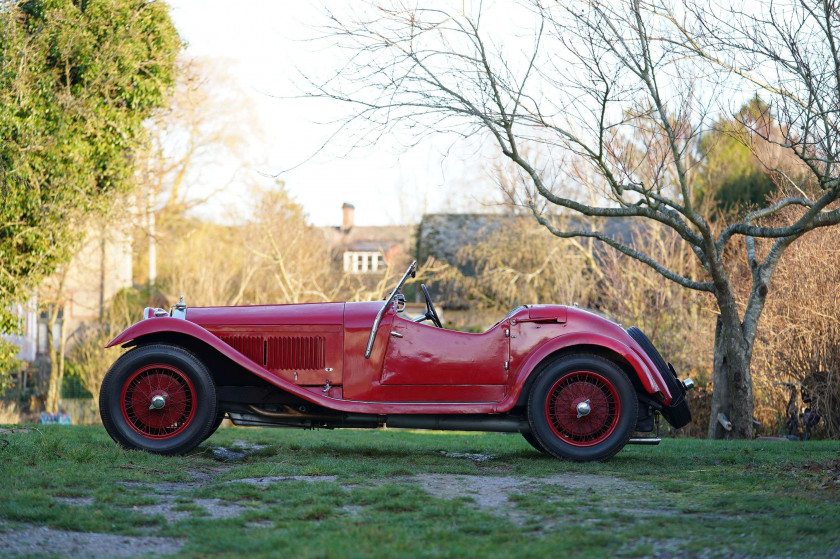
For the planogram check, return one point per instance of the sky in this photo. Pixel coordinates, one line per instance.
(259, 51)
(260, 46)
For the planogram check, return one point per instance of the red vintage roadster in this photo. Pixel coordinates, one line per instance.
(575, 385)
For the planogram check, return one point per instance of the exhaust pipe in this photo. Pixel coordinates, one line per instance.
(648, 441)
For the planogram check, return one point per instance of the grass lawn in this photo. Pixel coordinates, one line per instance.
(69, 491)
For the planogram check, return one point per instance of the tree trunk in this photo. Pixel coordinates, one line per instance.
(151, 236)
(732, 382)
(56, 355)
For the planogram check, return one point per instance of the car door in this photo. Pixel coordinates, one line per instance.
(421, 354)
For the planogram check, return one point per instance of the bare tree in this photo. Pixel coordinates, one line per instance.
(88, 355)
(614, 96)
(799, 340)
(54, 303)
(191, 139)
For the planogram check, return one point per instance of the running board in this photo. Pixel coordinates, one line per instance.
(651, 441)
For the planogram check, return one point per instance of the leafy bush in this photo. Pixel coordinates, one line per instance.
(9, 364)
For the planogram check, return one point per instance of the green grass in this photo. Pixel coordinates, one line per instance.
(683, 498)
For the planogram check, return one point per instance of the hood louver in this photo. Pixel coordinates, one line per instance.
(281, 352)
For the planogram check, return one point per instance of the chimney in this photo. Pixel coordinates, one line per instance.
(347, 218)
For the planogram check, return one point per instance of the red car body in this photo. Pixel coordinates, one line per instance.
(304, 365)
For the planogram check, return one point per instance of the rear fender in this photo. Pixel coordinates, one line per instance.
(647, 374)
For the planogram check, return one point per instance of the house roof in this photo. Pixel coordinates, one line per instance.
(369, 237)
(443, 235)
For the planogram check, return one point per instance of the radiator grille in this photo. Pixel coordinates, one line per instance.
(251, 347)
(295, 352)
(281, 352)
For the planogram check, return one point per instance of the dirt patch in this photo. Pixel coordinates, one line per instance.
(14, 430)
(492, 493)
(166, 494)
(212, 508)
(164, 486)
(227, 455)
(260, 524)
(487, 492)
(352, 510)
(31, 540)
(74, 501)
(477, 458)
(263, 481)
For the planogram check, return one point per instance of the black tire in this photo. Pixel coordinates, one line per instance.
(555, 417)
(677, 413)
(138, 377)
(534, 442)
(220, 416)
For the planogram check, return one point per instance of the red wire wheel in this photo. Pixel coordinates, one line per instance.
(141, 397)
(583, 408)
(159, 398)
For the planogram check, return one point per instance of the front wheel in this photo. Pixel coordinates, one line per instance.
(582, 408)
(158, 398)
(220, 416)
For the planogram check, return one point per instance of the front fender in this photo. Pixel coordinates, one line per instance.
(645, 370)
(162, 325)
(165, 324)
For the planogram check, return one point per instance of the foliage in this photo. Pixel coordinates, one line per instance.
(514, 261)
(77, 81)
(89, 360)
(729, 171)
(677, 321)
(800, 342)
(274, 256)
(9, 363)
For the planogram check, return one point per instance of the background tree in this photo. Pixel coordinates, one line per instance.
(194, 137)
(9, 364)
(77, 81)
(799, 340)
(617, 96)
(88, 357)
(514, 261)
(730, 173)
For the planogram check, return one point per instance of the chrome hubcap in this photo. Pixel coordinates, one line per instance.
(583, 409)
(158, 401)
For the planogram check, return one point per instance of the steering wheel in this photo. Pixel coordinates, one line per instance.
(431, 313)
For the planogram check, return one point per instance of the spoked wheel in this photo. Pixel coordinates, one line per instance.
(220, 416)
(581, 408)
(158, 398)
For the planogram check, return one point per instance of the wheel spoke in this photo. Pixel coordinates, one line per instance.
(588, 428)
(158, 380)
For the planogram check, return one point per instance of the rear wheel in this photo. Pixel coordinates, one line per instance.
(158, 398)
(582, 408)
(534, 442)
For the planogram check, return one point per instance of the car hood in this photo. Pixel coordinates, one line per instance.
(267, 315)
